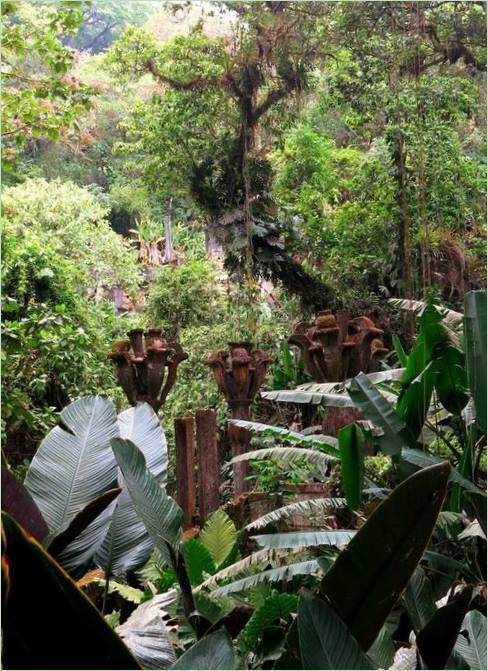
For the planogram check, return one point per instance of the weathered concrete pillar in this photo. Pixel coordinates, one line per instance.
(208, 463)
(185, 468)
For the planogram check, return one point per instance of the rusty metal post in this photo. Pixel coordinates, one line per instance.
(185, 468)
(208, 463)
(239, 372)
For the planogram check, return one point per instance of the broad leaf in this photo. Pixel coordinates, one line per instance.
(310, 508)
(127, 544)
(215, 651)
(377, 409)
(72, 468)
(322, 442)
(305, 538)
(19, 504)
(81, 521)
(325, 641)
(424, 459)
(286, 455)
(278, 574)
(471, 642)
(146, 635)
(451, 381)
(351, 448)
(47, 621)
(436, 640)
(374, 378)
(418, 599)
(368, 577)
(197, 560)
(276, 607)
(219, 536)
(159, 512)
(475, 319)
(309, 397)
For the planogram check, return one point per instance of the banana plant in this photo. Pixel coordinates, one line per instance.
(72, 474)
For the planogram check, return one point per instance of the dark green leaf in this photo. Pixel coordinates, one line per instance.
(197, 560)
(325, 641)
(368, 577)
(47, 621)
(215, 651)
(351, 448)
(419, 600)
(436, 640)
(376, 408)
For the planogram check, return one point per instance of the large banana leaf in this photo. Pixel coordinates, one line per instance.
(471, 642)
(48, 623)
(325, 641)
(286, 455)
(159, 512)
(418, 599)
(437, 639)
(304, 539)
(475, 346)
(146, 635)
(72, 468)
(251, 562)
(127, 544)
(309, 397)
(376, 408)
(322, 442)
(374, 378)
(215, 651)
(368, 577)
(423, 459)
(278, 574)
(309, 507)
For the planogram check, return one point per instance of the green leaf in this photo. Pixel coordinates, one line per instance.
(475, 319)
(219, 536)
(71, 469)
(127, 592)
(305, 538)
(377, 409)
(451, 380)
(368, 577)
(471, 642)
(197, 560)
(127, 544)
(325, 641)
(278, 574)
(81, 521)
(400, 352)
(276, 607)
(424, 459)
(309, 508)
(74, 627)
(351, 448)
(308, 397)
(436, 640)
(215, 651)
(322, 442)
(160, 514)
(418, 599)
(285, 455)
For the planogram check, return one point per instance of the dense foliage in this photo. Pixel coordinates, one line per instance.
(224, 171)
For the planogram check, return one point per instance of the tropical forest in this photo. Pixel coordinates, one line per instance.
(244, 333)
